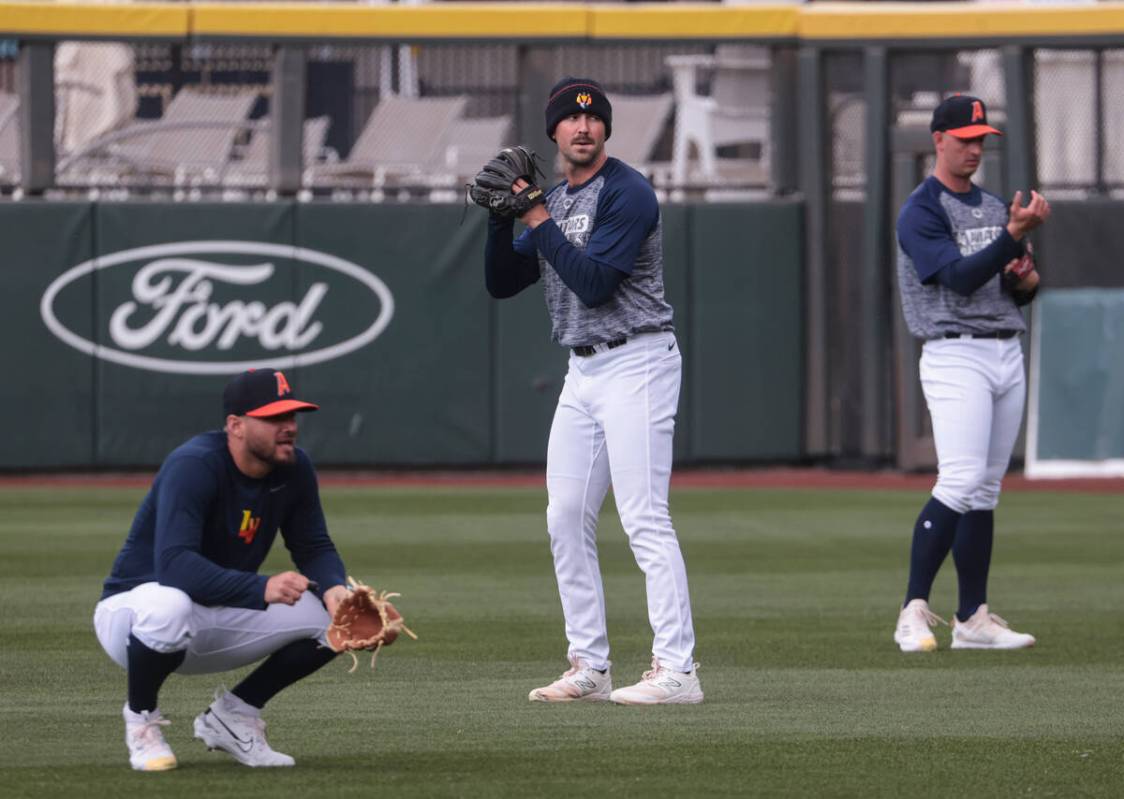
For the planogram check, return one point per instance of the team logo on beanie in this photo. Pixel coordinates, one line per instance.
(584, 100)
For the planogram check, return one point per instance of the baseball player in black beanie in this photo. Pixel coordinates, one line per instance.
(595, 243)
(575, 96)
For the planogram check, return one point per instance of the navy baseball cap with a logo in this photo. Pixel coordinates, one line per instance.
(261, 393)
(962, 116)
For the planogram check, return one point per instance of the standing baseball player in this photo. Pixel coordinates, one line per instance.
(596, 245)
(963, 271)
(185, 595)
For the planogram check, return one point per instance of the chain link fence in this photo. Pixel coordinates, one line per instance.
(383, 121)
(415, 120)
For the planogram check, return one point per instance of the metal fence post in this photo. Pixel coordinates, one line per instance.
(875, 296)
(784, 168)
(36, 83)
(1019, 132)
(535, 80)
(814, 185)
(286, 119)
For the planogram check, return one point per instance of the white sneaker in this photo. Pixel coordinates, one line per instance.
(237, 728)
(985, 630)
(912, 633)
(148, 751)
(580, 684)
(662, 686)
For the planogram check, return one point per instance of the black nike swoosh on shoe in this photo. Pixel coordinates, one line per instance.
(244, 745)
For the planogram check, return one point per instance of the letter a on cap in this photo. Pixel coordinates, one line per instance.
(282, 385)
(977, 111)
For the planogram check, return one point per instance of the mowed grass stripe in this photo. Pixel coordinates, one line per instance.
(795, 594)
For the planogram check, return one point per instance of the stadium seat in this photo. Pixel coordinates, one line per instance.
(736, 112)
(400, 143)
(9, 139)
(192, 142)
(469, 143)
(638, 125)
(252, 169)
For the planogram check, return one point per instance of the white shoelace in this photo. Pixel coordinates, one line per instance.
(930, 617)
(654, 672)
(147, 733)
(995, 618)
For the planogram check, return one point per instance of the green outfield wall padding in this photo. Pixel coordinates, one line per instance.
(528, 372)
(746, 331)
(377, 312)
(677, 266)
(154, 303)
(1077, 248)
(47, 397)
(420, 392)
(1079, 379)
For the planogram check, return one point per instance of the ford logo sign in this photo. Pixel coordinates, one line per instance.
(196, 309)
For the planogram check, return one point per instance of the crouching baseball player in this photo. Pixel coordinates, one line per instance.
(185, 595)
(964, 270)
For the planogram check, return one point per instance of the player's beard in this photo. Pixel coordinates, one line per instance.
(270, 450)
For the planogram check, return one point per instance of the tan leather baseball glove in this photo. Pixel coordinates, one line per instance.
(365, 619)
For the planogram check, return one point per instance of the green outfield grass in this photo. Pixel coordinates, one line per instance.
(795, 595)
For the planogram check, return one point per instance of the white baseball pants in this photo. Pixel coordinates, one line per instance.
(976, 390)
(614, 424)
(216, 639)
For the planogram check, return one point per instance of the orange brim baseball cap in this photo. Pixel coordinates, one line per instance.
(962, 116)
(973, 131)
(261, 393)
(283, 406)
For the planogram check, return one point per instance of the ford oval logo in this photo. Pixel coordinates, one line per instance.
(176, 305)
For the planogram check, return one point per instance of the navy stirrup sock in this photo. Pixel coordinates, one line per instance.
(971, 552)
(284, 667)
(932, 539)
(147, 671)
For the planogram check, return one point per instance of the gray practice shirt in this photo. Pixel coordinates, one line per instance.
(613, 219)
(931, 218)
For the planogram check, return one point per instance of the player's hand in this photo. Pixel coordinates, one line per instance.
(537, 215)
(285, 588)
(333, 596)
(1023, 220)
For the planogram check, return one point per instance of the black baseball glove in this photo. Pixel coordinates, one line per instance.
(491, 188)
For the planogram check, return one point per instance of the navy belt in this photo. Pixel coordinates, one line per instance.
(585, 350)
(992, 334)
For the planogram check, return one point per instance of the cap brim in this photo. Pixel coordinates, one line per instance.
(280, 407)
(973, 131)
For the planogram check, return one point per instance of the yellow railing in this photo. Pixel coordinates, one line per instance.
(560, 21)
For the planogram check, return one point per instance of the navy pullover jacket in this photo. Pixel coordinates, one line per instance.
(205, 528)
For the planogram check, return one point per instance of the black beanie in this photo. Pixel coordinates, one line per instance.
(574, 96)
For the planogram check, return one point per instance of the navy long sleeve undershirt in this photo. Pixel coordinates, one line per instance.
(507, 272)
(593, 281)
(926, 235)
(971, 272)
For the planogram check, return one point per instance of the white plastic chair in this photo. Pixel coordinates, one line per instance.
(736, 112)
